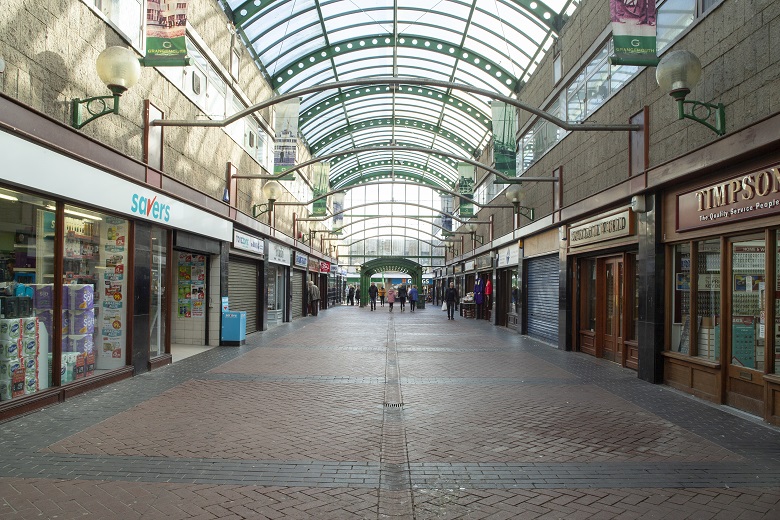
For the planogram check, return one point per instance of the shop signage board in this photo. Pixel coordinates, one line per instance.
(508, 256)
(300, 260)
(325, 267)
(754, 195)
(247, 242)
(469, 266)
(484, 261)
(314, 265)
(609, 227)
(64, 177)
(278, 254)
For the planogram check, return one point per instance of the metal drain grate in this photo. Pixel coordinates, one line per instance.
(394, 405)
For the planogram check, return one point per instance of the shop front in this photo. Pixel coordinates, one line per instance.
(298, 279)
(723, 317)
(277, 289)
(324, 284)
(245, 278)
(506, 293)
(484, 267)
(602, 251)
(87, 275)
(541, 281)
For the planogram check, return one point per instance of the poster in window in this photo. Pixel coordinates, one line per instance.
(743, 341)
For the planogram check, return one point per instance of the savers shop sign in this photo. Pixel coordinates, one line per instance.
(748, 196)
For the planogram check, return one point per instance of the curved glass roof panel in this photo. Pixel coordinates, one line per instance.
(494, 45)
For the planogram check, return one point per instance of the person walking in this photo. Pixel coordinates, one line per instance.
(372, 293)
(391, 297)
(351, 295)
(413, 295)
(451, 297)
(402, 296)
(357, 295)
(382, 295)
(314, 298)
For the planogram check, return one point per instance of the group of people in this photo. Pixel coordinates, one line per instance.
(352, 293)
(401, 294)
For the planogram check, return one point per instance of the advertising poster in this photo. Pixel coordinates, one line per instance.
(633, 27)
(504, 131)
(286, 148)
(111, 312)
(191, 290)
(166, 25)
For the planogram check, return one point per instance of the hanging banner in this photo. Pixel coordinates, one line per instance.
(166, 25)
(466, 189)
(446, 212)
(633, 28)
(286, 149)
(320, 174)
(504, 131)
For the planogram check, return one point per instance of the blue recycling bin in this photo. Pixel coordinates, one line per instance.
(233, 328)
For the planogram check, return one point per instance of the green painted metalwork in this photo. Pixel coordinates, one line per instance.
(412, 90)
(394, 264)
(415, 124)
(248, 10)
(388, 41)
(387, 174)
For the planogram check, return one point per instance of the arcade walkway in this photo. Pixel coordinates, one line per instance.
(359, 414)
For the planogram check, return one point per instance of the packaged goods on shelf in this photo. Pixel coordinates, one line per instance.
(79, 343)
(9, 348)
(10, 328)
(9, 367)
(81, 321)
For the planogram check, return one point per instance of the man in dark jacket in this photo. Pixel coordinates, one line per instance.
(451, 297)
(402, 296)
(372, 292)
(351, 295)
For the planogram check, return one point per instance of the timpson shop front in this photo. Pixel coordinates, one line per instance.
(602, 254)
(723, 289)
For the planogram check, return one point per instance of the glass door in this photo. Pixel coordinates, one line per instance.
(613, 310)
(748, 323)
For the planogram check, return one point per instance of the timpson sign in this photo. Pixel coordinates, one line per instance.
(754, 195)
(616, 225)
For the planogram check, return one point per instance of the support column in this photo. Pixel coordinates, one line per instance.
(651, 270)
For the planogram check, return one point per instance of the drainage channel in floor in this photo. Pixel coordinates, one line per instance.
(395, 486)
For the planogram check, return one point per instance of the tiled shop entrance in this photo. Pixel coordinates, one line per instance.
(359, 414)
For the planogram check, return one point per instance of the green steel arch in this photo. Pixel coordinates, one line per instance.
(395, 264)
(455, 102)
(250, 8)
(403, 122)
(341, 48)
(351, 180)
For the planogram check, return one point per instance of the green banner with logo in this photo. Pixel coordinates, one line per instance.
(286, 127)
(166, 26)
(633, 28)
(466, 178)
(504, 132)
(320, 174)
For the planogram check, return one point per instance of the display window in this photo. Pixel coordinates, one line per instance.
(94, 299)
(27, 230)
(698, 307)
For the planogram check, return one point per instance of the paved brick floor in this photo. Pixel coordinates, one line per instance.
(355, 414)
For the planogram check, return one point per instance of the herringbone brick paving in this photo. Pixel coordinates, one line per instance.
(306, 421)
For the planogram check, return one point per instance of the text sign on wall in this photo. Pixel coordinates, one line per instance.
(301, 260)
(508, 256)
(247, 242)
(314, 265)
(278, 254)
(616, 225)
(754, 195)
(324, 267)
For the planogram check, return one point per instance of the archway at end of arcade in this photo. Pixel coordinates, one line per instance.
(389, 264)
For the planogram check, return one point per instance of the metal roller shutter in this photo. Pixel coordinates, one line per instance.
(297, 294)
(242, 290)
(542, 307)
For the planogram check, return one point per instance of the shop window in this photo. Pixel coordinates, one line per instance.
(747, 303)
(777, 307)
(27, 228)
(94, 313)
(708, 292)
(681, 300)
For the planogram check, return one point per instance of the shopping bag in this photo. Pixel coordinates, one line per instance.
(444, 306)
